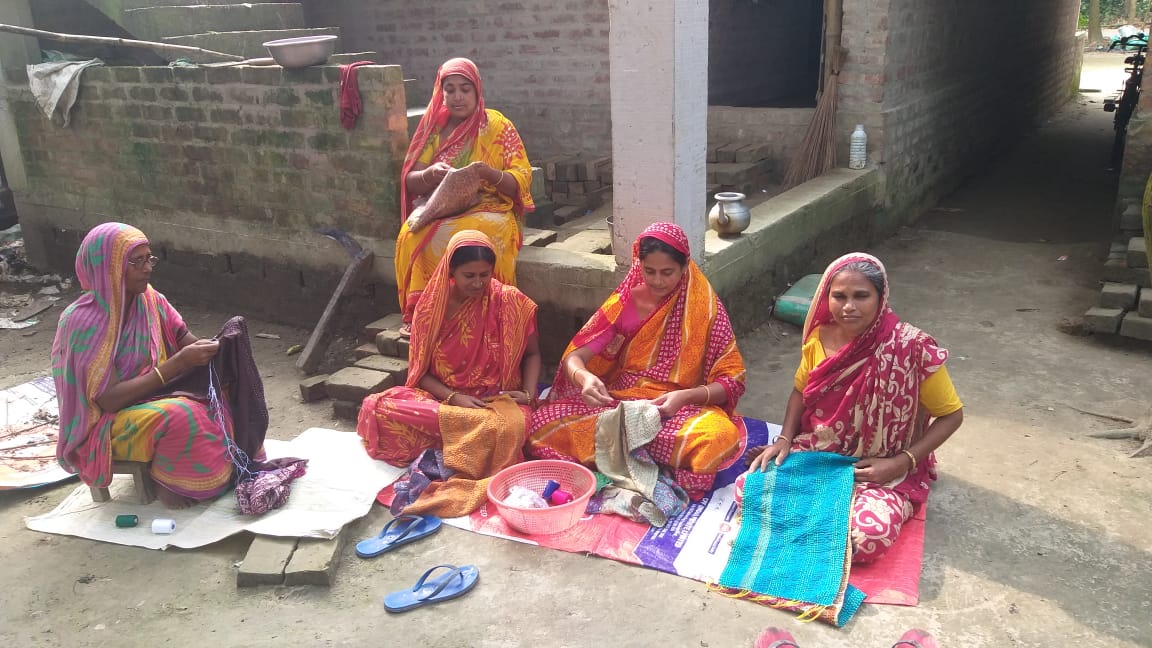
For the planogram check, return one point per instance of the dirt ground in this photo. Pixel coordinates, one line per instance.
(1037, 534)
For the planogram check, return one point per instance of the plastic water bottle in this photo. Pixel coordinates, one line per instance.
(858, 151)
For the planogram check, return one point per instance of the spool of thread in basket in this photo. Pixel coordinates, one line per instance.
(560, 497)
(550, 488)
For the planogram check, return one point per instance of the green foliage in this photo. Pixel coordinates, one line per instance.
(1112, 13)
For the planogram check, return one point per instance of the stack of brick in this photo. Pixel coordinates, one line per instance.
(381, 362)
(573, 186)
(1126, 299)
(738, 166)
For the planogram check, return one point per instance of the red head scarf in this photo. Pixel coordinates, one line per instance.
(435, 118)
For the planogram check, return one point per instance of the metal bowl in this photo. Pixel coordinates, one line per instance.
(302, 51)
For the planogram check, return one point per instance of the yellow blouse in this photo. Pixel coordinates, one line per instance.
(937, 394)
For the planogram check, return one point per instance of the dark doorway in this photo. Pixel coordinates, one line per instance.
(764, 53)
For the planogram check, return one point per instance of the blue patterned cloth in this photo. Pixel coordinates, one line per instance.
(793, 540)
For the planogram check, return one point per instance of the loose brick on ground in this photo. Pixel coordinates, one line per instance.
(354, 383)
(1144, 306)
(265, 561)
(1115, 295)
(1132, 219)
(1118, 271)
(313, 389)
(1135, 326)
(314, 562)
(1103, 320)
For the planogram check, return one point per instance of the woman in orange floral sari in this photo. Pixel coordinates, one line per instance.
(473, 338)
(663, 336)
(458, 131)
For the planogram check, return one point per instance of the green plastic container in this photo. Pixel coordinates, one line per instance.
(792, 306)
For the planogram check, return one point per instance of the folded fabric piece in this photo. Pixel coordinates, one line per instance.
(350, 104)
(427, 468)
(639, 490)
(56, 84)
(478, 443)
(792, 551)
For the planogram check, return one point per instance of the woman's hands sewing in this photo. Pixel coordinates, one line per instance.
(592, 389)
(779, 450)
(197, 354)
(434, 174)
(880, 470)
(521, 397)
(670, 402)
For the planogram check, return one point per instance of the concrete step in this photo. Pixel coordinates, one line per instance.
(249, 44)
(352, 57)
(153, 23)
(146, 4)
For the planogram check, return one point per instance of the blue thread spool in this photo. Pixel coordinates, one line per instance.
(550, 488)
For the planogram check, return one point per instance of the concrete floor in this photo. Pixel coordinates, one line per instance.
(1037, 534)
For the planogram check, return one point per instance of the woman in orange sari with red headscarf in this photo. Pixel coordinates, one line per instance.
(473, 338)
(663, 336)
(457, 131)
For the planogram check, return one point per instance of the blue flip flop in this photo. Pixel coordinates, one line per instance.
(454, 584)
(416, 527)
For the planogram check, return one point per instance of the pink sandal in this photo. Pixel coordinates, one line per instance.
(916, 638)
(775, 638)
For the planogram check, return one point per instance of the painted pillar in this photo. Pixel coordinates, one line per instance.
(15, 52)
(658, 53)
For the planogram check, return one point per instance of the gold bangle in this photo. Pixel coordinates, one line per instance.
(912, 457)
(448, 399)
(160, 375)
(707, 395)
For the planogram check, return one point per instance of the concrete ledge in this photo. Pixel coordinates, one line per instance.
(249, 44)
(791, 234)
(151, 23)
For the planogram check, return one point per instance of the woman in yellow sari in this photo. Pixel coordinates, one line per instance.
(662, 336)
(458, 131)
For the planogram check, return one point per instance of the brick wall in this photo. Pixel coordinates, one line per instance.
(954, 81)
(763, 53)
(544, 62)
(228, 171)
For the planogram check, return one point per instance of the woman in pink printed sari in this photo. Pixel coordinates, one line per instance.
(867, 386)
(116, 348)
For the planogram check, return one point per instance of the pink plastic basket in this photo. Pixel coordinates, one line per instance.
(572, 477)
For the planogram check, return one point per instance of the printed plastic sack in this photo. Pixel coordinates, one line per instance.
(459, 190)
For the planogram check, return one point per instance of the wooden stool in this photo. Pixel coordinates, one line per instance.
(140, 477)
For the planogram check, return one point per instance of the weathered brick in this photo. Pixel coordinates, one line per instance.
(282, 97)
(538, 238)
(313, 389)
(1137, 254)
(257, 75)
(395, 366)
(142, 93)
(1117, 271)
(265, 561)
(387, 343)
(1103, 320)
(315, 560)
(1135, 326)
(1114, 295)
(388, 322)
(126, 74)
(1144, 306)
(365, 350)
(190, 114)
(347, 410)
(354, 383)
(171, 93)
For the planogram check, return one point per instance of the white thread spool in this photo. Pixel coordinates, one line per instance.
(163, 526)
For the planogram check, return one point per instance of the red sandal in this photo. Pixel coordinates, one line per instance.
(775, 638)
(916, 638)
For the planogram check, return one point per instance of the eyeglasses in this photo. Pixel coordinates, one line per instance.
(139, 263)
